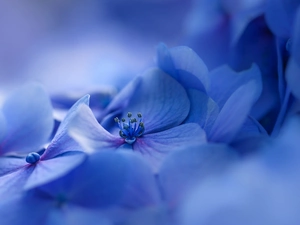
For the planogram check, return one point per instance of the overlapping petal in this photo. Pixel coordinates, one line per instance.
(234, 113)
(225, 81)
(51, 169)
(155, 147)
(204, 110)
(185, 66)
(162, 101)
(86, 130)
(62, 142)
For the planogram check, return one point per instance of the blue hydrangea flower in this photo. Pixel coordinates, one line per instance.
(61, 155)
(157, 105)
(216, 102)
(98, 191)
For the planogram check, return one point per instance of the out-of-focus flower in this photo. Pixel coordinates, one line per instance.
(26, 120)
(161, 105)
(103, 186)
(213, 27)
(184, 169)
(216, 102)
(261, 190)
(280, 16)
(61, 156)
(293, 69)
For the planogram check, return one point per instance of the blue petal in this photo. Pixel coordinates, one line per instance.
(296, 39)
(11, 164)
(183, 64)
(225, 81)
(165, 61)
(206, 22)
(28, 113)
(119, 102)
(184, 168)
(2, 128)
(162, 101)
(204, 110)
(234, 113)
(62, 142)
(86, 130)
(242, 16)
(280, 16)
(51, 169)
(155, 147)
(293, 68)
(25, 209)
(75, 215)
(293, 78)
(12, 184)
(106, 178)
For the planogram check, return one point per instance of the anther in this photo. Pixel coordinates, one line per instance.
(132, 129)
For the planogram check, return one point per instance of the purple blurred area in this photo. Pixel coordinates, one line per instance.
(67, 44)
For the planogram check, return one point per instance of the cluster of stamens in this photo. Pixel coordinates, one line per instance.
(132, 129)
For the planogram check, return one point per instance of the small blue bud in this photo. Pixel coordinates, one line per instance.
(33, 158)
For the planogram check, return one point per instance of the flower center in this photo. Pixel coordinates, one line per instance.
(132, 129)
(33, 158)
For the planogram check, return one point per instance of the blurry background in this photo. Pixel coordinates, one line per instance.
(74, 43)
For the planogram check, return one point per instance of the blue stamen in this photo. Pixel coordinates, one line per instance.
(131, 130)
(33, 158)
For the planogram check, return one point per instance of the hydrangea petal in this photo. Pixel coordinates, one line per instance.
(26, 209)
(225, 81)
(118, 178)
(188, 68)
(2, 127)
(119, 102)
(51, 169)
(293, 78)
(296, 39)
(28, 113)
(155, 147)
(75, 215)
(12, 184)
(162, 101)
(234, 113)
(184, 168)
(141, 189)
(280, 16)
(203, 110)
(11, 164)
(86, 130)
(62, 142)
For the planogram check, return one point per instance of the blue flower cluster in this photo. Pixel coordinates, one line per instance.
(209, 135)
